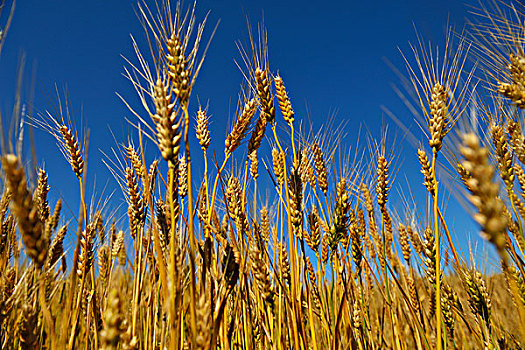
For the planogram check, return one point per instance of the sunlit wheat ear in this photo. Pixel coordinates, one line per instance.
(432, 303)
(325, 247)
(515, 91)
(136, 204)
(85, 259)
(122, 255)
(412, 293)
(484, 192)
(320, 167)
(74, 155)
(314, 238)
(224, 228)
(202, 129)
(15, 247)
(240, 128)
(56, 249)
(284, 100)
(254, 165)
(503, 156)
(520, 175)
(304, 164)
(362, 226)
(284, 262)
(168, 128)
(264, 92)
(98, 223)
(389, 238)
(104, 261)
(40, 195)
(29, 224)
(429, 252)
(163, 223)
(278, 166)
(426, 170)
(52, 222)
(356, 317)
(112, 234)
(464, 175)
(517, 140)
(405, 243)
(356, 243)
(178, 68)
(369, 205)
(202, 210)
(310, 175)
(117, 244)
(416, 240)
(262, 275)
(370, 247)
(265, 224)
(257, 134)
(183, 177)
(340, 217)
(295, 193)
(235, 209)
(478, 297)
(383, 186)
(449, 301)
(436, 77)
(174, 34)
(152, 177)
(135, 161)
(438, 124)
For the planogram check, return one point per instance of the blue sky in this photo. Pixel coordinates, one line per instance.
(331, 56)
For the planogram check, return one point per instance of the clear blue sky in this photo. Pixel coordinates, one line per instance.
(330, 54)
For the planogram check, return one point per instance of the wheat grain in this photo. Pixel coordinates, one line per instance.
(238, 132)
(178, 68)
(284, 100)
(382, 187)
(168, 128)
(438, 123)
(264, 92)
(202, 129)
(320, 167)
(74, 151)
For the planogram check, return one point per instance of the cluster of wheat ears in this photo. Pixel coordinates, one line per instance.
(329, 264)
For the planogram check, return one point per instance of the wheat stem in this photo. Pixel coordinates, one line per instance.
(191, 225)
(437, 257)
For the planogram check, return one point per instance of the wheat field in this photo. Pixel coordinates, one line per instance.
(288, 249)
